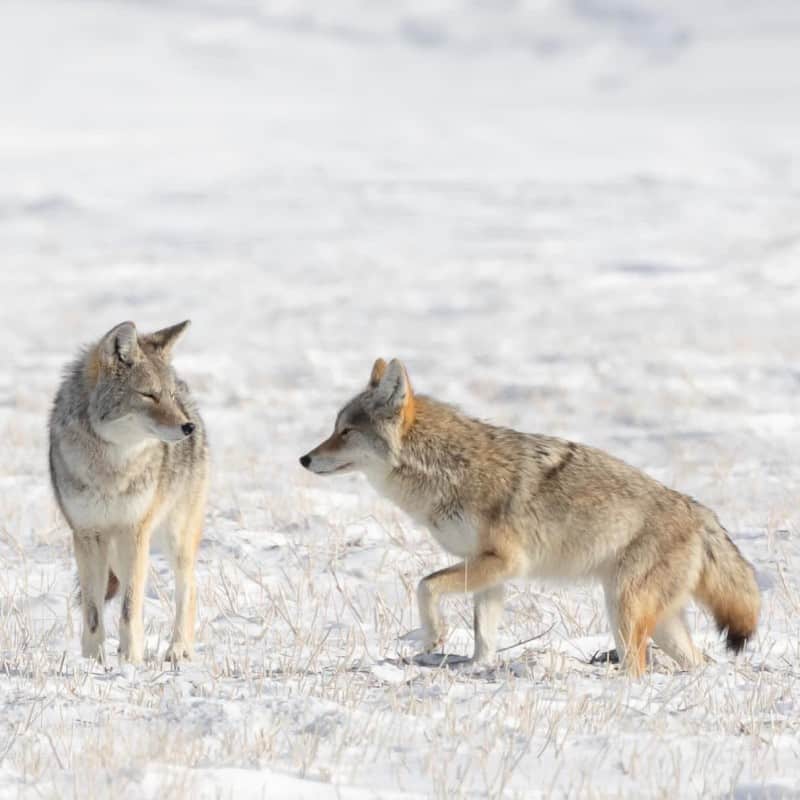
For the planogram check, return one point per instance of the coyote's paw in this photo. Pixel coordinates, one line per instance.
(132, 655)
(485, 661)
(95, 651)
(92, 646)
(131, 648)
(178, 651)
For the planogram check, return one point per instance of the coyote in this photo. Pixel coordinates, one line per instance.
(517, 505)
(129, 459)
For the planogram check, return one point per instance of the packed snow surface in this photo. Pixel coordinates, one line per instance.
(580, 218)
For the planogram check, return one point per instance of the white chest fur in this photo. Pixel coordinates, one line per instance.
(456, 535)
(103, 510)
(108, 492)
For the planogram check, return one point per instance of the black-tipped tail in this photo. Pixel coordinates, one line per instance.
(727, 586)
(735, 642)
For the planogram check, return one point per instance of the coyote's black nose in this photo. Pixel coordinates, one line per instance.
(305, 461)
(187, 428)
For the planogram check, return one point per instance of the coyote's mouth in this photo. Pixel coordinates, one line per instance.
(336, 469)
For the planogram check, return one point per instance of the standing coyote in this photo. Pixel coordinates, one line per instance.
(522, 505)
(128, 459)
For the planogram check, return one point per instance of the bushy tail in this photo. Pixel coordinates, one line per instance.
(727, 585)
(111, 588)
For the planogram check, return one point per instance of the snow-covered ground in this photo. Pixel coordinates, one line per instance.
(575, 217)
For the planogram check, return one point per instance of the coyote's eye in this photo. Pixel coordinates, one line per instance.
(149, 396)
(345, 431)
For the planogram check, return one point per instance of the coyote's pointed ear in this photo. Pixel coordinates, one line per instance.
(165, 339)
(378, 368)
(121, 344)
(394, 393)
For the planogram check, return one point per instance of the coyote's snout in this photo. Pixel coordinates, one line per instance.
(332, 455)
(515, 505)
(128, 460)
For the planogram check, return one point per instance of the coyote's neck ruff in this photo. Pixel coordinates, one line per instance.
(520, 505)
(93, 465)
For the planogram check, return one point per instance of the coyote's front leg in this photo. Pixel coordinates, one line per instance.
(91, 553)
(134, 553)
(182, 548)
(488, 610)
(484, 575)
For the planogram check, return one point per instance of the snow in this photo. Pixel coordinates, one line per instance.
(579, 218)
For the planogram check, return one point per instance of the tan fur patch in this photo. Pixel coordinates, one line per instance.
(159, 500)
(378, 368)
(93, 367)
(330, 445)
(474, 575)
(637, 621)
(640, 635)
(167, 413)
(409, 411)
(194, 530)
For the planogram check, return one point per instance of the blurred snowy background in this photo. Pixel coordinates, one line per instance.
(579, 217)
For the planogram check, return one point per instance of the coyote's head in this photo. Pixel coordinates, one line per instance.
(132, 391)
(369, 429)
